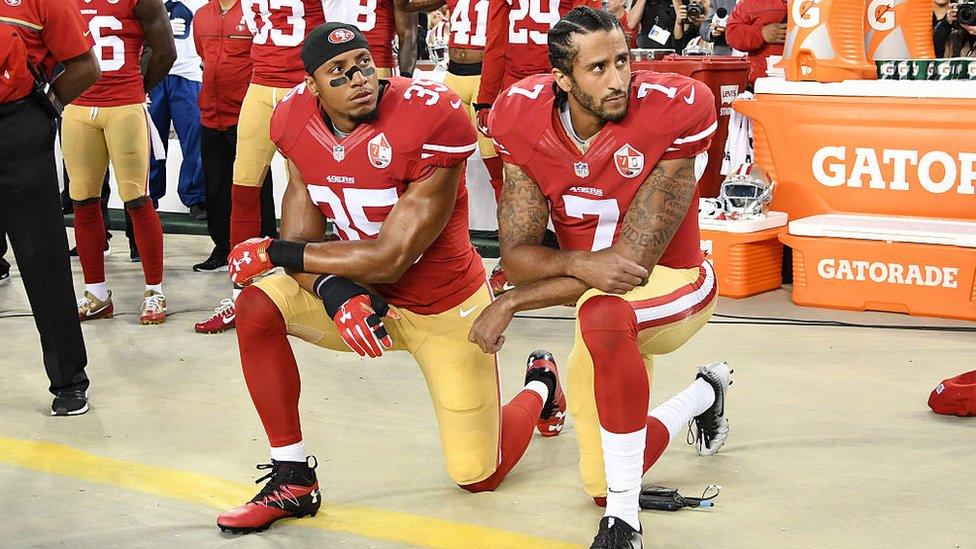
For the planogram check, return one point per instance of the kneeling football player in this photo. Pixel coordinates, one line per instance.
(610, 154)
(384, 161)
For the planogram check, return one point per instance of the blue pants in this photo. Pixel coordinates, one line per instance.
(175, 99)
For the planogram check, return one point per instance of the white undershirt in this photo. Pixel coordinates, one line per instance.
(567, 120)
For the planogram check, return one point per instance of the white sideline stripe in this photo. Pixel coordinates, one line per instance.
(698, 136)
(682, 303)
(446, 149)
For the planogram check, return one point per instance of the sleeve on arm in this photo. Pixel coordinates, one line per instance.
(450, 142)
(493, 64)
(65, 34)
(695, 123)
(744, 32)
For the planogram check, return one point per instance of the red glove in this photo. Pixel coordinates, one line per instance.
(357, 314)
(483, 121)
(248, 260)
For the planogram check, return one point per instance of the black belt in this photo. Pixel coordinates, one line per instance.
(16, 106)
(464, 69)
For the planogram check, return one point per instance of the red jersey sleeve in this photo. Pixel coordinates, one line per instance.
(287, 121)
(450, 141)
(65, 33)
(493, 64)
(520, 117)
(695, 120)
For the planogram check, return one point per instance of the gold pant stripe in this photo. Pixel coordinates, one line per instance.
(463, 380)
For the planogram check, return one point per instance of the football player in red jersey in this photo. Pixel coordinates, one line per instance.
(384, 161)
(380, 21)
(109, 122)
(610, 155)
(278, 28)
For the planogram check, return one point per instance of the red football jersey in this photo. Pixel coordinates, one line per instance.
(118, 45)
(356, 181)
(279, 28)
(469, 24)
(669, 116)
(376, 20)
(518, 42)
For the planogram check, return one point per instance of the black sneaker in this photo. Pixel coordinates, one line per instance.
(216, 262)
(198, 212)
(292, 491)
(69, 403)
(617, 534)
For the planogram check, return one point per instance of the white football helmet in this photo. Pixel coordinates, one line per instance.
(437, 39)
(746, 192)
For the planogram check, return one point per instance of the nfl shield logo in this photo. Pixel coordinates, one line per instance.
(629, 161)
(582, 169)
(379, 151)
(338, 153)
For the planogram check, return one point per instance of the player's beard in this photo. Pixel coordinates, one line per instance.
(366, 117)
(596, 106)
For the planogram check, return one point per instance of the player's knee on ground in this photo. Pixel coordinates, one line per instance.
(606, 313)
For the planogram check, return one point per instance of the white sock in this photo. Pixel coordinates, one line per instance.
(538, 388)
(99, 290)
(292, 452)
(677, 411)
(623, 461)
(236, 292)
(154, 287)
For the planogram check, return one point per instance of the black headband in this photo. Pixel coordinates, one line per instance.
(329, 40)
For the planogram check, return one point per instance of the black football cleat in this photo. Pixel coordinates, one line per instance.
(617, 534)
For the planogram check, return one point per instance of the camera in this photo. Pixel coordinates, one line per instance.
(966, 13)
(696, 10)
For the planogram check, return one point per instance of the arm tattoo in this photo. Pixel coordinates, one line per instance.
(523, 211)
(656, 212)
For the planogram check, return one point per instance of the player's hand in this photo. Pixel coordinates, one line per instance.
(487, 330)
(774, 33)
(179, 26)
(483, 121)
(248, 260)
(607, 271)
(357, 314)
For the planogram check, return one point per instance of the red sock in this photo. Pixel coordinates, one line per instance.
(609, 329)
(90, 238)
(655, 443)
(148, 232)
(518, 421)
(245, 213)
(270, 370)
(495, 169)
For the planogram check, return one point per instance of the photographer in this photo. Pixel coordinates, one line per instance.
(757, 27)
(666, 24)
(714, 28)
(35, 36)
(952, 39)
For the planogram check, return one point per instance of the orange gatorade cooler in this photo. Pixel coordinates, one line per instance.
(898, 29)
(746, 253)
(825, 41)
(885, 263)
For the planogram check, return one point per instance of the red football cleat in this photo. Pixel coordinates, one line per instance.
(542, 367)
(291, 492)
(221, 320)
(499, 284)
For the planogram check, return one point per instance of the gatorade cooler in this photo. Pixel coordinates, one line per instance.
(898, 30)
(747, 254)
(825, 41)
(727, 77)
(885, 263)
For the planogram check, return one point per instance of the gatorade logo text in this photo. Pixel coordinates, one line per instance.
(806, 13)
(888, 273)
(895, 169)
(881, 15)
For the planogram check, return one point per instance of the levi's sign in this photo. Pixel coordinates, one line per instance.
(896, 169)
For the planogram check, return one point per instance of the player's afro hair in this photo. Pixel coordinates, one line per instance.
(581, 20)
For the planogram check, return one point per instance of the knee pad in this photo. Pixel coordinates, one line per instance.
(607, 313)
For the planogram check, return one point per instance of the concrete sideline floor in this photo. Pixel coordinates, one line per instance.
(832, 444)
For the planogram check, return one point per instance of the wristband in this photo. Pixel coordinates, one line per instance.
(287, 254)
(481, 106)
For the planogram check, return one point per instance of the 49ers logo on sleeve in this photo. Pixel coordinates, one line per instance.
(629, 161)
(379, 151)
(341, 36)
